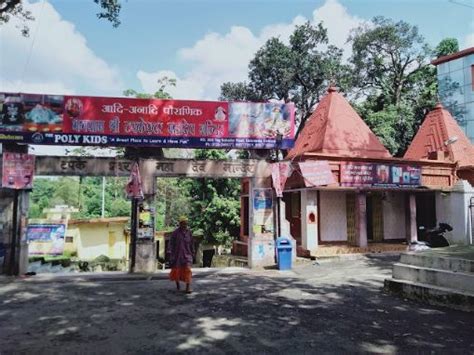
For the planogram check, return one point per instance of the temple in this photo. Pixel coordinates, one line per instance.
(371, 201)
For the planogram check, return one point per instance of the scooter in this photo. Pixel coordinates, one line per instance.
(434, 237)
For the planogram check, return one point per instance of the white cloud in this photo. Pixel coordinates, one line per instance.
(469, 41)
(338, 21)
(217, 58)
(55, 58)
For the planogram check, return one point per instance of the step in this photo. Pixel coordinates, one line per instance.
(437, 262)
(437, 277)
(434, 295)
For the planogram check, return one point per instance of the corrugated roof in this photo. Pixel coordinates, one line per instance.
(335, 128)
(434, 134)
(99, 220)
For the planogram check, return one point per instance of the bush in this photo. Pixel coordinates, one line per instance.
(102, 259)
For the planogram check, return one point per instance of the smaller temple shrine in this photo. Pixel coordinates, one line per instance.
(347, 193)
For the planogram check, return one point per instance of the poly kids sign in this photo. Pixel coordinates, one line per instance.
(83, 120)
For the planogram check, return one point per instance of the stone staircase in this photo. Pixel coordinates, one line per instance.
(435, 279)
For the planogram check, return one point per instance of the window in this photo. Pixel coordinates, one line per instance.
(472, 77)
(69, 239)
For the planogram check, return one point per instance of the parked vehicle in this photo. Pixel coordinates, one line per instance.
(434, 237)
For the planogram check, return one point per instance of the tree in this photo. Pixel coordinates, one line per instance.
(391, 60)
(300, 71)
(162, 93)
(214, 208)
(446, 47)
(110, 10)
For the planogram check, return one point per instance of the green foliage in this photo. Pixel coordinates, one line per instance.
(161, 93)
(299, 72)
(110, 10)
(84, 194)
(391, 60)
(446, 47)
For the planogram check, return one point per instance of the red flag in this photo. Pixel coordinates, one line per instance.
(280, 173)
(134, 185)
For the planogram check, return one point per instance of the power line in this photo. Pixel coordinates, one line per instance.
(31, 47)
(461, 4)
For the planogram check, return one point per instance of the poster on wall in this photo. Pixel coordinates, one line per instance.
(262, 211)
(108, 121)
(17, 171)
(45, 239)
(383, 175)
(146, 221)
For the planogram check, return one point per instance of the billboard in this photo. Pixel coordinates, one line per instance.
(383, 175)
(45, 239)
(108, 121)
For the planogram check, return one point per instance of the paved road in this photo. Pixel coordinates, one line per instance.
(328, 308)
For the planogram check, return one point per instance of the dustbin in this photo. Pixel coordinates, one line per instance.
(284, 252)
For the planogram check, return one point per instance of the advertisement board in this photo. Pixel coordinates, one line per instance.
(383, 175)
(45, 239)
(108, 121)
(316, 173)
(17, 170)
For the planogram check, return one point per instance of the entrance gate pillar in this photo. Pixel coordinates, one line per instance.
(13, 223)
(145, 251)
(261, 244)
(361, 219)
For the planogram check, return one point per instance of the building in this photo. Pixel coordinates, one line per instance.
(98, 236)
(440, 138)
(371, 201)
(455, 74)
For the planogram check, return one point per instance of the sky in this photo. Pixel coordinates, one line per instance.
(200, 43)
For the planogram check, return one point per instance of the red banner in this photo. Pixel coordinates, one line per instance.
(316, 173)
(83, 120)
(18, 171)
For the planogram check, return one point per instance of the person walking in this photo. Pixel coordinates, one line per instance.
(182, 254)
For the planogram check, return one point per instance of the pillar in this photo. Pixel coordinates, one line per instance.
(412, 231)
(145, 250)
(361, 219)
(261, 243)
(14, 209)
(309, 219)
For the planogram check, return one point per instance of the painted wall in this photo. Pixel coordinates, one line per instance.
(394, 215)
(94, 240)
(453, 208)
(333, 216)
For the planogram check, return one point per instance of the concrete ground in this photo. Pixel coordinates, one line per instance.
(334, 307)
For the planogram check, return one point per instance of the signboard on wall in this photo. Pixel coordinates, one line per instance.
(383, 175)
(108, 121)
(17, 170)
(316, 173)
(45, 239)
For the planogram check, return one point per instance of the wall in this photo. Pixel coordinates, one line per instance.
(394, 215)
(333, 219)
(94, 241)
(453, 208)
